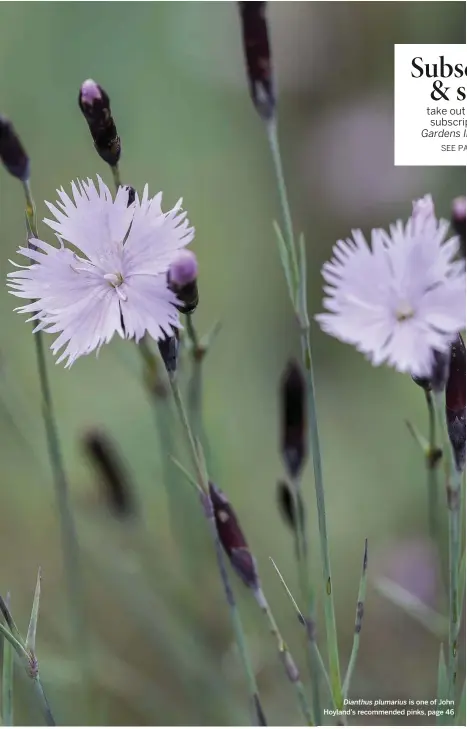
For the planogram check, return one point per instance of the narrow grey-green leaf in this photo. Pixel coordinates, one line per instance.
(302, 294)
(461, 592)
(7, 680)
(460, 714)
(285, 260)
(31, 636)
(443, 685)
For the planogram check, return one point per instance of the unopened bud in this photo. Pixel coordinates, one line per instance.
(258, 57)
(458, 219)
(168, 348)
(233, 539)
(12, 153)
(182, 279)
(293, 419)
(95, 105)
(286, 502)
(455, 401)
(116, 488)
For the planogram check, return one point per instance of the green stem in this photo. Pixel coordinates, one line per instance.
(7, 684)
(116, 176)
(358, 623)
(287, 660)
(453, 497)
(67, 524)
(273, 139)
(329, 610)
(300, 307)
(46, 710)
(306, 587)
(229, 595)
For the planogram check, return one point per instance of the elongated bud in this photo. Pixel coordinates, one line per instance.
(258, 57)
(182, 279)
(12, 153)
(168, 348)
(117, 491)
(293, 419)
(233, 539)
(455, 401)
(286, 503)
(458, 219)
(95, 105)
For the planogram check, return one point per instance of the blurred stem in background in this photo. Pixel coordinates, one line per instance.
(69, 536)
(202, 486)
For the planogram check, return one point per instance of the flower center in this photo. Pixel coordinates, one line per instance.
(404, 311)
(115, 280)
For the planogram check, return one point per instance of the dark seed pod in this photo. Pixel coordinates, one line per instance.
(455, 401)
(293, 419)
(168, 348)
(286, 503)
(233, 539)
(12, 152)
(95, 105)
(118, 493)
(258, 57)
(458, 219)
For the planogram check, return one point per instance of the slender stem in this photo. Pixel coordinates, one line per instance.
(309, 600)
(299, 304)
(453, 497)
(329, 610)
(46, 710)
(273, 139)
(7, 684)
(432, 471)
(358, 623)
(195, 386)
(67, 524)
(287, 660)
(229, 595)
(116, 176)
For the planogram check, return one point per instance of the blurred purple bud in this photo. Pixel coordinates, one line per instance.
(168, 348)
(286, 502)
(458, 219)
(182, 279)
(440, 372)
(12, 153)
(258, 57)
(455, 401)
(233, 539)
(95, 105)
(184, 269)
(117, 490)
(293, 419)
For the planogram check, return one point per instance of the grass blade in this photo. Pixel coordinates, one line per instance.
(443, 686)
(7, 681)
(358, 622)
(31, 636)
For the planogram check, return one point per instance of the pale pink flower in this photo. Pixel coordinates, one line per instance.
(400, 299)
(115, 282)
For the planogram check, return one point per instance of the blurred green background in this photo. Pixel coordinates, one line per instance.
(162, 646)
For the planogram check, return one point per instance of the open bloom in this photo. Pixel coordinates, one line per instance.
(116, 278)
(400, 299)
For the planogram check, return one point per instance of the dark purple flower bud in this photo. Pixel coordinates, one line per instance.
(293, 419)
(458, 219)
(455, 401)
(440, 372)
(131, 194)
(286, 503)
(117, 490)
(182, 280)
(168, 348)
(12, 153)
(233, 539)
(95, 105)
(258, 57)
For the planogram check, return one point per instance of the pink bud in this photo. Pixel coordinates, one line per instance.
(184, 269)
